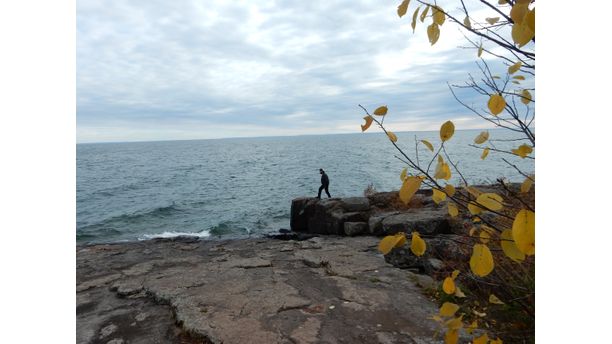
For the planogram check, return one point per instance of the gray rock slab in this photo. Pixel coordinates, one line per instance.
(342, 292)
(355, 204)
(425, 221)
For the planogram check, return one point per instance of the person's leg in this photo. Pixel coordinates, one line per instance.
(327, 191)
(320, 189)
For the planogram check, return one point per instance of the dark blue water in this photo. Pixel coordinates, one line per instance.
(237, 187)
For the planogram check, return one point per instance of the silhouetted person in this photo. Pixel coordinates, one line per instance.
(324, 184)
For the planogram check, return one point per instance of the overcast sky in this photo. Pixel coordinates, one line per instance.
(164, 70)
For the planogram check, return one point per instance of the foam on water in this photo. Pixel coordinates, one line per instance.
(202, 234)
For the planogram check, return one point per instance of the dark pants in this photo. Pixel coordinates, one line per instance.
(326, 187)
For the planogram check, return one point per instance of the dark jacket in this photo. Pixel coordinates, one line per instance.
(324, 179)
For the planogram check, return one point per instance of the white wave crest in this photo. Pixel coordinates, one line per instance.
(203, 234)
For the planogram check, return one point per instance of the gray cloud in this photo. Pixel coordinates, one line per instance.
(191, 69)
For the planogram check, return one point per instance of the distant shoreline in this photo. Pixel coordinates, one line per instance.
(275, 136)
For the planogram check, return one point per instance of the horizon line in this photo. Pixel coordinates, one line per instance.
(273, 136)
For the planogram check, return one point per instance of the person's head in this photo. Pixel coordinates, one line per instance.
(321, 171)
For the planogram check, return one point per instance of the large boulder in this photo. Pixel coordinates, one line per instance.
(383, 199)
(309, 214)
(375, 222)
(300, 212)
(353, 204)
(327, 216)
(424, 220)
(391, 200)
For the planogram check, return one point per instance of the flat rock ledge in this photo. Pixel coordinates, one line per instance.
(320, 290)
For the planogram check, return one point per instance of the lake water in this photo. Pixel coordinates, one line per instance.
(244, 186)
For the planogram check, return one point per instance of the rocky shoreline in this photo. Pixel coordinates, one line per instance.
(322, 282)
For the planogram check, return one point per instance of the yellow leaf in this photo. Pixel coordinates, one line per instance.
(530, 20)
(492, 21)
(451, 337)
(494, 299)
(450, 190)
(381, 111)
(409, 188)
(438, 15)
(490, 200)
(523, 150)
(442, 170)
(438, 196)
(403, 174)
(523, 231)
(452, 209)
(496, 77)
(439, 172)
(391, 241)
(502, 2)
(481, 261)
(448, 286)
(417, 245)
(472, 327)
(526, 97)
(519, 77)
(455, 274)
(387, 243)
(414, 19)
(473, 191)
(514, 68)
(433, 33)
(401, 239)
(448, 309)
(497, 341)
(402, 8)
(476, 219)
(522, 33)
(429, 145)
(472, 231)
(480, 49)
(467, 23)
(365, 126)
(526, 186)
(509, 247)
(482, 137)
(447, 130)
(481, 340)
(484, 237)
(496, 104)
(454, 323)
(518, 12)
(485, 152)
(474, 209)
(459, 292)
(392, 136)
(424, 14)
(447, 171)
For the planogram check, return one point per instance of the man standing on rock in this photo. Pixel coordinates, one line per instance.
(324, 184)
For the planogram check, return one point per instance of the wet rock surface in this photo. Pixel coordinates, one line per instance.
(319, 290)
